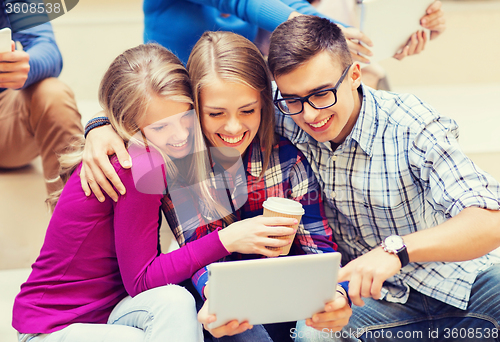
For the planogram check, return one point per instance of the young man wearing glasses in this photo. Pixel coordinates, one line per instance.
(412, 215)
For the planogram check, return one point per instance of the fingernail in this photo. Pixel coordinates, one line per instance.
(101, 199)
(315, 319)
(115, 199)
(126, 163)
(122, 191)
(87, 193)
(424, 21)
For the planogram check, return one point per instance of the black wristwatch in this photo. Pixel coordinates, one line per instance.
(395, 244)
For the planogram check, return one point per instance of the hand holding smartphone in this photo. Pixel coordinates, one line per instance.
(15, 64)
(5, 40)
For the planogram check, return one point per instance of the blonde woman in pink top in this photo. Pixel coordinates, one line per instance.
(100, 275)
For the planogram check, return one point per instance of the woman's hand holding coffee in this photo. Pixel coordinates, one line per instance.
(251, 236)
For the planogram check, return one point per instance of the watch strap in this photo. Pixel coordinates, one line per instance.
(403, 257)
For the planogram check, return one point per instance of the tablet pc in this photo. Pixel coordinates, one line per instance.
(390, 23)
(272, 290)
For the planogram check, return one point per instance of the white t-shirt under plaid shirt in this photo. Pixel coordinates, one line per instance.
(400, 170)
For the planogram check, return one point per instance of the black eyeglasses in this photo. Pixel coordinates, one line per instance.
(320, 99)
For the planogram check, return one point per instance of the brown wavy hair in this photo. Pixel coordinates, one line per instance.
(299, 39)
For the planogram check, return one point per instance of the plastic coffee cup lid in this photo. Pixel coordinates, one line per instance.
(283, 205)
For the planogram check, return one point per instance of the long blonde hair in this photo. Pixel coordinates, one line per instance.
(234, 58)
(131, 82)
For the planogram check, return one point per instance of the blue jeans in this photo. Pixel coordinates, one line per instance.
(162, 314)
(422, 318)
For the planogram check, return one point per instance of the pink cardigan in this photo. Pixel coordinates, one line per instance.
(95, 254)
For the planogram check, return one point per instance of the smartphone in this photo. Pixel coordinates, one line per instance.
(5, 40)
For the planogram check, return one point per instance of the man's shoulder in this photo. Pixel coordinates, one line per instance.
(404, 109)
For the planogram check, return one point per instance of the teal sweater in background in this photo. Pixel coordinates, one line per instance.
(178, 24)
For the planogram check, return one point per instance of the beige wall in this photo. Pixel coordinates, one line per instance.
(91, 35)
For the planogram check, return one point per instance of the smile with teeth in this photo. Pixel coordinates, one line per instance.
(181, 144)
(321, 123)
(232, 140)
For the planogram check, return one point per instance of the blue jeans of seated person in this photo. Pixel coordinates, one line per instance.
(166, 313)
(422, 318)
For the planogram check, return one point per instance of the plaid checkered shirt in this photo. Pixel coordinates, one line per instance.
(400, 170)
(287, 175)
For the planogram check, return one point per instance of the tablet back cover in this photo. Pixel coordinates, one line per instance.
(390, 23)
(272, 290)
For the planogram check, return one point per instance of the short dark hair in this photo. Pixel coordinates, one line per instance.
(297, 40)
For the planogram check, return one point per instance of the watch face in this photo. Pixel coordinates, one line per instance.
(394, 242)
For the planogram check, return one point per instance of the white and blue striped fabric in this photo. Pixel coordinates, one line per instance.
(400, 170)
